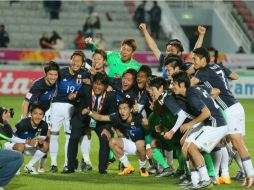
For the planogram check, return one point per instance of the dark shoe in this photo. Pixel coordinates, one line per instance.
(103, 172)
(85, 167)
(239, 176)
(166, 172)
(121, 166)
(111, 161)
(178, 174)
(67, 171)
(53, 169)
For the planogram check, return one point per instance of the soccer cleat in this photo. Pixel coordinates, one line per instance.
(143, 172)
(67, 171)
(166, 172)
(30, 170)
(41, 170)
(222, 180)
(185, 183)
(85, 167)
(111, 161)
(239, 176)
(203, 184)
(53, 169)
(127, 170)
(152, 170)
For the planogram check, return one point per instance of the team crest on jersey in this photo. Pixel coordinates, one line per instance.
(79, 80)
(29, 95)
(133, 125)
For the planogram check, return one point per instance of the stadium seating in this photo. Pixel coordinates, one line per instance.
(26, 21)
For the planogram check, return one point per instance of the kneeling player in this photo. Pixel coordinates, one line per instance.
(30, 137)
(131, 141)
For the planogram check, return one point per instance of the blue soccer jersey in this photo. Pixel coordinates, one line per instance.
(41, 93)
(216, 79)
(197, 99)
(69, 83)
(24, 129)
(133, 130)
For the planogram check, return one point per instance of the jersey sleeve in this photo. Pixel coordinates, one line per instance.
(32, 95)
(171, 104)
(196, 102)
(115, 118)
(201, 75)
(18, 128)
(226, 70)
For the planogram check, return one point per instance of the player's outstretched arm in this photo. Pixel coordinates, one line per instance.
(201, 32)
(234, 76)
(89, 41)
(150, 41)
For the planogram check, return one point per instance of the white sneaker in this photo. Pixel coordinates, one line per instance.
(41, 170)
(30, 170)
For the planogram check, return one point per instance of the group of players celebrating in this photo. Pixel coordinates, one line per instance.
(189, 111)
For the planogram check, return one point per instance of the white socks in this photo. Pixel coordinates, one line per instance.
(124, 160)
(53, 148)
(67, 138)
(36, 157)
(224, 163)
(142, 164)
(85, 146)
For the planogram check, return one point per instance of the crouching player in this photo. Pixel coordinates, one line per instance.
(205, 137)
(131, 135)
(30, 137)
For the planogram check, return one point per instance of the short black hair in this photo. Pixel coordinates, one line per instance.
(181, 77)
(216, 53)
(36, 105)
(177, 43)
(102, 77)
(202, 52)
(101, 52)
(131, 71)
(174, 61)
(80, 53)
(157, 82)
(146, 69)
(51, 66)
(127, 101)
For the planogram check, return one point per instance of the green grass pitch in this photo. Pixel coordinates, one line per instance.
(93, 180)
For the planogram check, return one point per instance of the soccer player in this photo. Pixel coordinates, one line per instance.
(174, 46)
(126, 86)
(99, 59)
(42, 91)
(213, 127)
(143, 97)
(71, 79)
(208, 76)
(30, 137)
(119, 62)
(129, 126)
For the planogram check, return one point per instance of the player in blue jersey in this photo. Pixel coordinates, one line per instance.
(71, 79)
(211, 77)
(43, 89)
(208, 134)
(131, 135)
(42, 92)
(30, 137)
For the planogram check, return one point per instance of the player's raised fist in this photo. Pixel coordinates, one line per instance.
(88, 40)
(201, 30)
(142, 26)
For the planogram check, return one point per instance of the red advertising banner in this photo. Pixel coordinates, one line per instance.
(17, 82)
